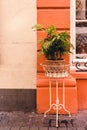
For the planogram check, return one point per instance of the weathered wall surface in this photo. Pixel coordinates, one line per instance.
(17, 55)
(17, 44)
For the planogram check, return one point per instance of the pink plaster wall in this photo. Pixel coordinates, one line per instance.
(17, 44)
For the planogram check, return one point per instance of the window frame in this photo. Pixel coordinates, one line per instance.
(73, 59)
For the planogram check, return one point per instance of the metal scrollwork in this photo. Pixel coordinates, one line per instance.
(81, 66)
(85, 64)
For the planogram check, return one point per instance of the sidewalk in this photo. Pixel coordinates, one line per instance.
(34, 121)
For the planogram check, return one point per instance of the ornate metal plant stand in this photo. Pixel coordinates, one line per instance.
(56, 70)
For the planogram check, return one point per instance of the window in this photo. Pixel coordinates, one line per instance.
(79, 30)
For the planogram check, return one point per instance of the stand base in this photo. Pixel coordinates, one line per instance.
(57, 107)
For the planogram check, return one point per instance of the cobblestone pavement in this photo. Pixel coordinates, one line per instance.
(34, 121)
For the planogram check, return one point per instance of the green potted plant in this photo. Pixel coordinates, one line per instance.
(55, 44)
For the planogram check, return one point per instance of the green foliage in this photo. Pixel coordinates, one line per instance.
(55, 44)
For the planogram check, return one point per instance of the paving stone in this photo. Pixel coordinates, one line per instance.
(4, 128)
(24, 128)
(34, 121)
(34, 128)
(80, 128)
(52, 123)
(15, 128)
(72, 128)
(53, 128)
(46, 122)
(63, 123)
(85, 127)
(43, 128)
(64, 128)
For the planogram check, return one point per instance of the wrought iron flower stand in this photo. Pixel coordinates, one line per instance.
(56, 70)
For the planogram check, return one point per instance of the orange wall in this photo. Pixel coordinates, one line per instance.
(58, 17)
(81, 80)
(53, 3)
(56, 12)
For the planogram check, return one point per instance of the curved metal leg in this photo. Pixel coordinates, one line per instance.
(57, 106)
